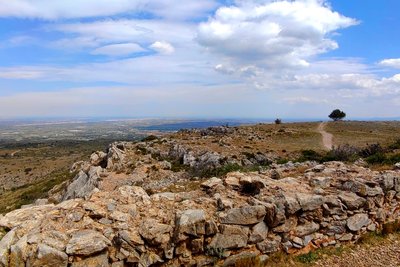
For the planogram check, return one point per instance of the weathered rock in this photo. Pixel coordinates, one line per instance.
(154, 232)
(351, 200)
(258, 233)
(356, 222)
(87, 242)
(211, 183)
(98, 158)
(322, 182)
(49, 257)
(231, 237)
(5, 244)
(19, 252)
(27, 217)
(132, 238)
(192, 223)
(270, 244)
(116, 156)
(307, 229)
(83, 184)
(246, 215)
(386, 181)
(309, 202)
(291, 205)
(98, 261)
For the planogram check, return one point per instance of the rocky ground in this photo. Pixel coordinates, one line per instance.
(156, 203)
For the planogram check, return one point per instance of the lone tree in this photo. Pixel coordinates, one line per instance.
(278, 121)
(337, 115)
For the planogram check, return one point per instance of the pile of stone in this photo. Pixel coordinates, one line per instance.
(242, 215)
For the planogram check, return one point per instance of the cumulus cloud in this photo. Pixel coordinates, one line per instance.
(272, 34)
(392, 62)
(163, 47)
(118, 49)
(55, 9)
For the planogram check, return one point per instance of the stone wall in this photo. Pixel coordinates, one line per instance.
(238, 216)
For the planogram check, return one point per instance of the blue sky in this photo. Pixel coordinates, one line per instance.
(239, 58)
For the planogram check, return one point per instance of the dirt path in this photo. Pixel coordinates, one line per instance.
(326, 137)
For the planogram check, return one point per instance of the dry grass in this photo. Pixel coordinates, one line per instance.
(360, 133)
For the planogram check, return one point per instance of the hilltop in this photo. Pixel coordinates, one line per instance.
(228, 196)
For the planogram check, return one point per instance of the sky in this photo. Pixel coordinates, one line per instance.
(208, 58)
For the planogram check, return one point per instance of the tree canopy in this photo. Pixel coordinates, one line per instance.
(337, 115)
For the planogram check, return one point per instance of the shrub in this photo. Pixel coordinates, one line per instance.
(371, 150)
(378, 158)
(395, 145)
(278, 121)
(342, 153)
(310, 154)
(149, 138)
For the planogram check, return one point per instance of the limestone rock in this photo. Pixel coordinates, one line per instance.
(83, 184)
(192, 222)
(155, 232)
(258, 233)
(351, 200)
(27, 217)
(211, 183)
(356, 222)
(246, 215)
(49, 257)
(87, 242)
(98, 158)
(270, 244)
(309, 202)
(231, 237)
(307, 229)
(5, 244)
(100, 260)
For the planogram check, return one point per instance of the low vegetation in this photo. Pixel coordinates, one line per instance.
(27, 194)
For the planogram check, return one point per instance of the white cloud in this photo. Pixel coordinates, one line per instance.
(163, 47)
(118, 49)
(273, 35)
(58, 9)
(392, 62)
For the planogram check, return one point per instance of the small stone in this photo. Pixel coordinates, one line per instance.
(346, 237)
